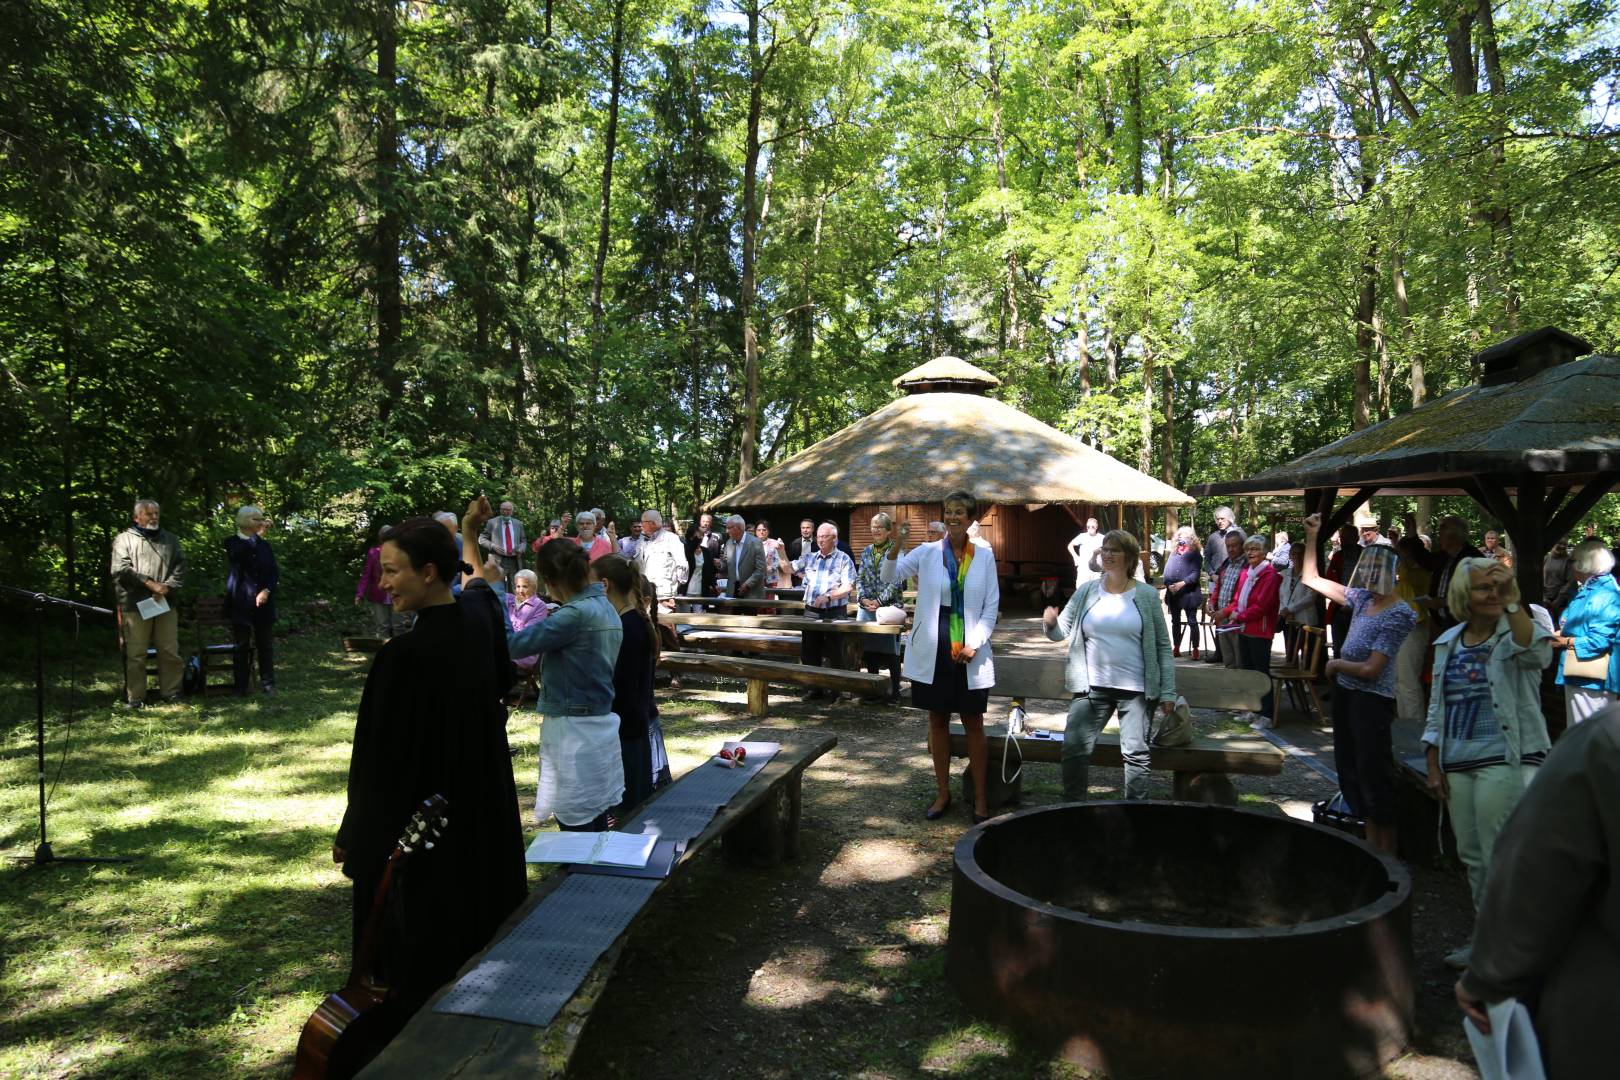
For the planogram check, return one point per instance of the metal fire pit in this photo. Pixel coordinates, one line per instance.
(1161, 939)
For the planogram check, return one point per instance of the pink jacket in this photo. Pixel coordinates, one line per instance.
(370, 588)
(531, 611)
(600, 546)
(1259, 616)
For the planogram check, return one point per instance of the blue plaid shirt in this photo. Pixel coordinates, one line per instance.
(824, 573)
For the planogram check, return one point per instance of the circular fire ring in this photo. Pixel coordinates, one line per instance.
(1164, 939)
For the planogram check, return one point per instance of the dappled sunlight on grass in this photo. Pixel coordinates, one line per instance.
(204, 955)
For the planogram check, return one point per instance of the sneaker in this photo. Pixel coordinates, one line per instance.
(132, 706)
(269, 688)
(1262, 723)
(1459, 958)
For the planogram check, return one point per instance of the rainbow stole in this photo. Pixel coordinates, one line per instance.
(958, 573)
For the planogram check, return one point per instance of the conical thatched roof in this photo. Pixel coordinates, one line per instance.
(923, 446)
(947, 369)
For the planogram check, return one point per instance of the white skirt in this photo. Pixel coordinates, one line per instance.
(581, 768)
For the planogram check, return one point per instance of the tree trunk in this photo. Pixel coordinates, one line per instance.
(1134, 70)
(1084, 342)
(1366, 304)
(750, 238)
(69, 353)
(1498, 215)
(1009, 300)
(385, 263)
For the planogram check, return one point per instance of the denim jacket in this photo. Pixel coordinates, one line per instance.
(1593, 620)
(1514, 672)
(1158, 669)
(578, 646)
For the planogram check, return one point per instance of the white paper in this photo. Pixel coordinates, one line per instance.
(598, 848)
(152, 607)
(1510, 1051)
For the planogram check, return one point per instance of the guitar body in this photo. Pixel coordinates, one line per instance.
(348, 1029)
(352, 1026)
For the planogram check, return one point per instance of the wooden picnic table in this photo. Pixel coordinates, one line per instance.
(733, 603)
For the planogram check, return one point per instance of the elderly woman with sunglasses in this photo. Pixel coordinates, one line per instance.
(1485, 735)
(1119, 661)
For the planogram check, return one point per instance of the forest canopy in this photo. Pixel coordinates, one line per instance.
(356, 260)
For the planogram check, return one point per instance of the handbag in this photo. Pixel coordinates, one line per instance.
(891, 615)
(1595, 668)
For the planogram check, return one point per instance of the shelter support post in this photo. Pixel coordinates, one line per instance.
(1320, 501)
(1578, 506)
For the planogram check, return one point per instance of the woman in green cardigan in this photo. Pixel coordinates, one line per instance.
(1119, 661)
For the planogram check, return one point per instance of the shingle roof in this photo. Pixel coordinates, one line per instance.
(1562, 421)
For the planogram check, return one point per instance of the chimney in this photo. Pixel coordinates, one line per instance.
(1518, 358)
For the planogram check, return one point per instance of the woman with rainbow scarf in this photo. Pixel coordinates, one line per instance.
(949, 662)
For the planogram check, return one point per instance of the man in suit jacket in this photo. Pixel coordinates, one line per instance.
(745, 561)
(503, 537)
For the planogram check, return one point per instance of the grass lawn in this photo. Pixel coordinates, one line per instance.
(205, 954)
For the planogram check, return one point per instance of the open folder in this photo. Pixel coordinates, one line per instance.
(595, 848)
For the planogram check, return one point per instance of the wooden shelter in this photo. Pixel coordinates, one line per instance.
(1033, 482)
(1536, 442)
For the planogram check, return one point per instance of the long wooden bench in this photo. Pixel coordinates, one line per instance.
(762, 673)
(1200, 767)
(760, 826)
(711, 620)
(759, 643)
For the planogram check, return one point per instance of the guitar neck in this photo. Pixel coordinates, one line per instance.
(365, 957)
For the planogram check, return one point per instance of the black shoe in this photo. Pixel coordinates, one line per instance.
(894, 698)
(980, 819)
(134, 706)
(270, 688)
(812, 697)
(935, 815)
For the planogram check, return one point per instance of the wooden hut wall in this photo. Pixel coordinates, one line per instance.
(1013, 533)
(918, 515)
(1032, 542)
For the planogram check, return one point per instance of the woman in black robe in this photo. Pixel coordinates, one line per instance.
(432, 722)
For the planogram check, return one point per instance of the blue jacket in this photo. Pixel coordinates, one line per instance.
(252, 570)
(578, 646)
(1593, 620)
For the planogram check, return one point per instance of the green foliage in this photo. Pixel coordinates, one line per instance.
(1105, 204)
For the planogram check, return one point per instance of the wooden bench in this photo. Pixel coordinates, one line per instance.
(1201, 767)
(763, 643)
(762, 673)
(710, 620)
(760, 826)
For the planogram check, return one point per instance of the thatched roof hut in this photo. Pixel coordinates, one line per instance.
(947, 433)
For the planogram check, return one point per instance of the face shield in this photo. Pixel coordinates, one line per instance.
(1375, 570)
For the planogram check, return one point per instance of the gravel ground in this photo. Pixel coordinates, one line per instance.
(834, 965)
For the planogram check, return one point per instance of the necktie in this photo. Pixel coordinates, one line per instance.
(508, 535)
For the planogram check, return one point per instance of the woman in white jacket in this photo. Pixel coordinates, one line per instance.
(949, 662)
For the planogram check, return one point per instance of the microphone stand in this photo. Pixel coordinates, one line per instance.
(38, 603)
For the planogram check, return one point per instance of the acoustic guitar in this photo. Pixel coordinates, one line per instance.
(348, 1029)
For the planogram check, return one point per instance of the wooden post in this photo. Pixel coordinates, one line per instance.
(758, 697)
(1530, 540)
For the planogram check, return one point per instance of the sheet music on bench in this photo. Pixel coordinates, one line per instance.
(532, 972)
